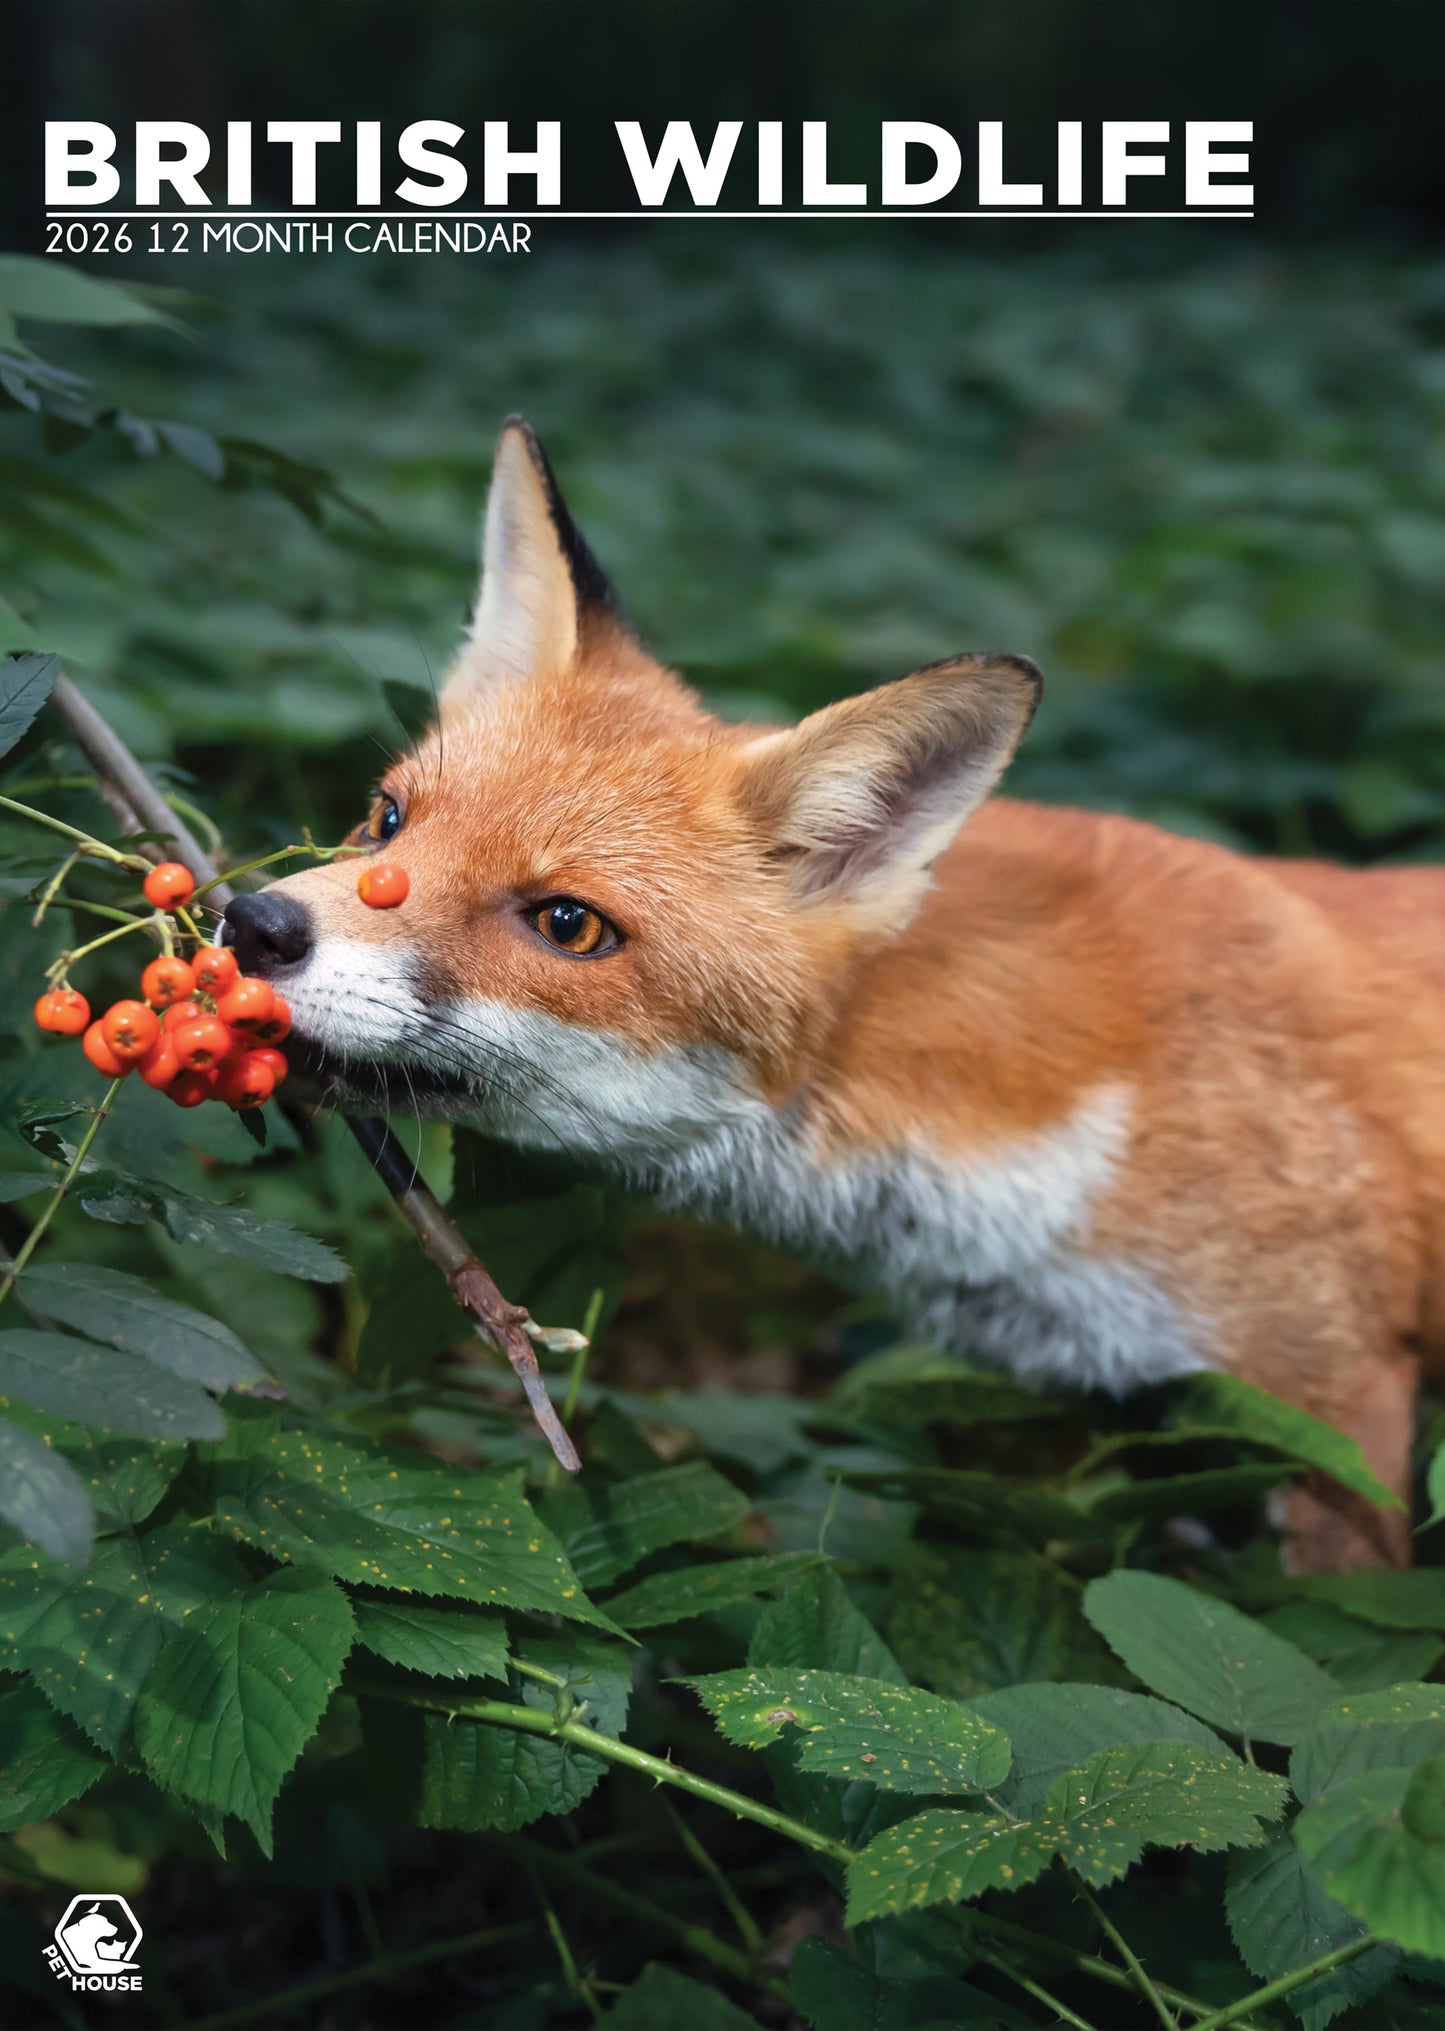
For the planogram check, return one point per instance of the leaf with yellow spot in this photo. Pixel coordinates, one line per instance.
(894, 1736)
(1099, 1818)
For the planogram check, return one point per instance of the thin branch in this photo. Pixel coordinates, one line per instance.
(1143, 1982)
(140, 806)
(1296, 1978)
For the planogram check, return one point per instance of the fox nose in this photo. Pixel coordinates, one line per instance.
(269, 930)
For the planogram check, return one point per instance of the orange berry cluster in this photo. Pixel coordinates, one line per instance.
(204, 1031)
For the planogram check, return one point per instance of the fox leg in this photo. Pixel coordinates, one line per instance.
(1328, 1529)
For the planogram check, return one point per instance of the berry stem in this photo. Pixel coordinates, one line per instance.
(54, 1202)
(270, 860)
(53, 887)
(66, 960)
(84, 840)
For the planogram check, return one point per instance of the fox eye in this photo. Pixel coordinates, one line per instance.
(573, 927)
(385, 820)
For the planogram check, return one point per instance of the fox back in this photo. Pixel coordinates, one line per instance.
(1096, 1102)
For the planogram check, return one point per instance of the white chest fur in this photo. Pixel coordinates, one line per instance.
(987, 1253)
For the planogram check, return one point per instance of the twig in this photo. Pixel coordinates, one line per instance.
(140, 807)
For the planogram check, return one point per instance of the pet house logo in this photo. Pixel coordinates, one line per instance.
(96, 1944)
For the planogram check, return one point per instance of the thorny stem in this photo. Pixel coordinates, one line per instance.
(97, 848)
(1232, 2013)
(696, 1938)
(53, 1203)
(536, 1721)
(571, 1974)
(1040, 1994)
(739, 1913)
(1142, 1980)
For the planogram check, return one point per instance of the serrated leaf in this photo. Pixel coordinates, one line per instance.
(966, 1622)
(89, 1635)
(700, 1590)
(43, 1496)
(382, 1516)
(124, 1311)
(625, 1524)
(226, 1230)
(893, 1736)
(1099, 1819)
(1208, 1657)
(478, 1775)
(1057, 1728)
(1282, 1918)
(1357, 1657)
(1378, 1843)
(662, 1999)
(1394, 1729)
(45, 1761)
(124, 1478)
(25, 684)
(815, 1626)
(102, 1386)
(1390, 1600)
(442, 1642)
(1224, 1401)
(238, 1692)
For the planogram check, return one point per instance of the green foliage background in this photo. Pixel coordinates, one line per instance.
(968, 1673)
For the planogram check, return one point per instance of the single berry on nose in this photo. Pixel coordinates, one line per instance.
(383, 885)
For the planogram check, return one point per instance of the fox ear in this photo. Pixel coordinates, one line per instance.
(858, 802)
(541, 586)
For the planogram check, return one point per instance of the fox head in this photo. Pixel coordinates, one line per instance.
(627, 920)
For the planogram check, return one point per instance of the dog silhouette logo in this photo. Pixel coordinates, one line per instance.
(96, 1943)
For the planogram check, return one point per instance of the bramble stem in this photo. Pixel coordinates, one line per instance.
(1143, 1982)
(1295, 1979)
(1040, 1994)
(87, 844)
(1086, 1963)
(534, 1721)
(53, 1203)
(742, 1918)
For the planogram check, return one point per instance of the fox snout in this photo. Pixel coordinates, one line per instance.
(268, 931)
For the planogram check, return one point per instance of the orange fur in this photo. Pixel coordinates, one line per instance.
(1279, 1027)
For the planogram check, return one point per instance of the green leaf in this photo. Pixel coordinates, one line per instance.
(442, 1642)
(101, 1386)
(124, 1311)
(835, 1992)
(1099, 1819)
(88, 1636)
(23, 1184)
(1057, 1728)
(238, 1692)
(1394, 1729)
(479, 1775)
(1357, 1658)
(55, 293)
(816, 1626)
(226, 1230)
(45, 1761)
(662, 1999)
(889, 1735)
(699, 1590)
(947, 1392)
(1408, 1600)
(629, 1522)
(1224, 1402)
(1208, 1657)
(124, 1478)
(43, 1496)
(1378, 1843)
(965, 1622)
(1281, 1918)
(25, 684)
(1435, 1488)
(381, 1516)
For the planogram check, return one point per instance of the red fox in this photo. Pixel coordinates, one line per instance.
(1093, 1101)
